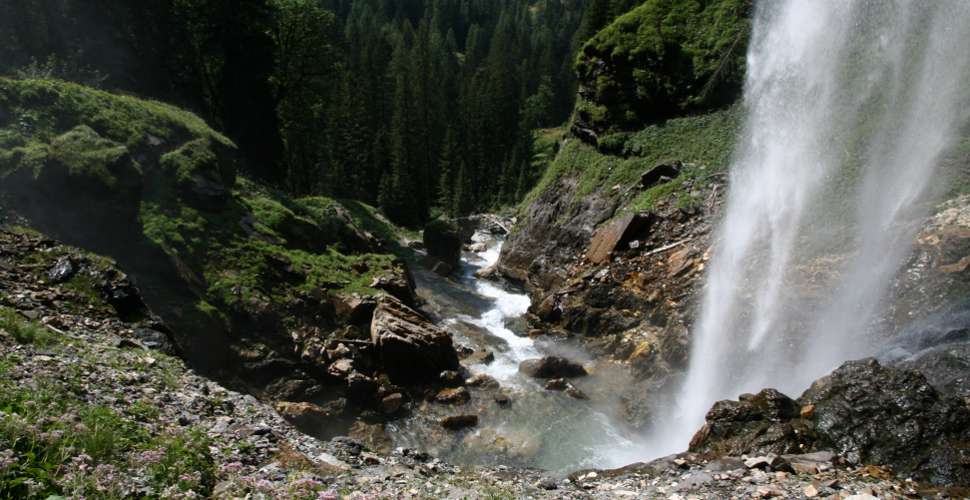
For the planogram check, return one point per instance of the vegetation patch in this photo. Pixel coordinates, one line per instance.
(703, 142)
(663, 59)
(23, 330)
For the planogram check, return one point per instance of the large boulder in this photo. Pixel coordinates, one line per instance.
(552, 367)
(766, 422)
(442, 239)
(871, 414)
(866, 412)
(410, 348)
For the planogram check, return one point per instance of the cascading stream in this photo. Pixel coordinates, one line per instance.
(850, 106)
(540, 428)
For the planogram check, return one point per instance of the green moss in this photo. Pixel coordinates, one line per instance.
(43, 109)
(663, 59)
(92, 160)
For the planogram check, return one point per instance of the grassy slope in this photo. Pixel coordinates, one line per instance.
(703, 142)
(261, 246)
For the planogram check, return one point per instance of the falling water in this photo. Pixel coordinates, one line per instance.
(850, 106)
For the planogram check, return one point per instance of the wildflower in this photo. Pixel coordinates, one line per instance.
(330, 494)
(232, 468)
(265, 486)
(7, 458)
(149, 458)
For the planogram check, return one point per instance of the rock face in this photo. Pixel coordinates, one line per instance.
(552, 367)
(865, 412)
(410, 348)
(761, 423)
(443, 241)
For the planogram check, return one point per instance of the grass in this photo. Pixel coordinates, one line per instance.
(55, 441)
(23, 330)
(703, 142)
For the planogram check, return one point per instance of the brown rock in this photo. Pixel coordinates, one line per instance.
(807, 411)
(410, 347)
(456, 395)
(391, 403)
(483, 381)
(458, 422)
(608, 238)
(307, 417)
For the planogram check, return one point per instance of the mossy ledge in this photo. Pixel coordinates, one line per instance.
(228, 263)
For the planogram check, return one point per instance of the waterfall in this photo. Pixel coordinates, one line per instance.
(850, 106)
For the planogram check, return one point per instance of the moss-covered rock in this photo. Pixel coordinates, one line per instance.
(204, 172)
(663, 59)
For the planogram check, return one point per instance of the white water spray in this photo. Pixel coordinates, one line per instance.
(850, 106)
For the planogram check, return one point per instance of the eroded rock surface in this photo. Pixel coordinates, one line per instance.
(866, 412)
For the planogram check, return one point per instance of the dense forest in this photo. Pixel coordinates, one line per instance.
(423, 106)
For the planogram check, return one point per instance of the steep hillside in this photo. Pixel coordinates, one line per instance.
(254, 286)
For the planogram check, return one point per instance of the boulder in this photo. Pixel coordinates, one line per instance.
(442, 239)
(458, 422)
(391, 403)
(552, 367)
(865, 412)
(755, 424)
(871, 414)
(455, 395)
(565, 386)
(617, 234)
(663, 172)
(410, 348)
(307, 417)
(483, 381)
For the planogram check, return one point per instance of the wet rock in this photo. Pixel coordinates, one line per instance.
(865, 412)
(487, 273)
(552, 367)
(563, 385)
(871, 414)
(483, 381)
(458, 422)
(451, 378)
(503, 399)
(410, 347)
(759, 423)
(391, 403)
(442, 268)
(456, 395)
(483, 357)
(443, 241)
(361, 388)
